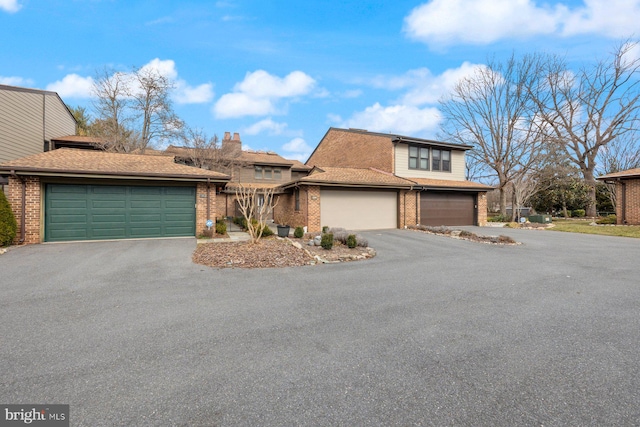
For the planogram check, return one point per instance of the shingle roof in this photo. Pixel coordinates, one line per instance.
(253, 157)
(444, 183)
(629, 173)
(69, 161)
(231, 186)
(299, 166)
(354, 177)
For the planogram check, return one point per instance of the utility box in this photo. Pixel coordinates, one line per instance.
(540, 219)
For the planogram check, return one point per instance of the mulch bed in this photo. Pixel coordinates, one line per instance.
(273, 252)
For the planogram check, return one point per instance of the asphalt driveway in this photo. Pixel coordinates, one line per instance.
(432, 331)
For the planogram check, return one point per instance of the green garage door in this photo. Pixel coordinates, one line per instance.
(94, 212)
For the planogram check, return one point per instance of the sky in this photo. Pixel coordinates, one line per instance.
(280, 73)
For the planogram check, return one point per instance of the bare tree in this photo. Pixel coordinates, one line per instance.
(111, 104)
(255, 205)
(587, 110)
(149, 92)
(493, 110)
(201, 151)
(523, 188)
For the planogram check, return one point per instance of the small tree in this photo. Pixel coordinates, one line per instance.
(8, 225)
(255, 207)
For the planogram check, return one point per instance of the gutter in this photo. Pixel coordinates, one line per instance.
(23, 207)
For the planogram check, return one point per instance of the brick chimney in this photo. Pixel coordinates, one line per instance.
(231, 147)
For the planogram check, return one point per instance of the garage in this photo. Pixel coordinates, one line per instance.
(94, 212)
(447, 208)
(359, 209)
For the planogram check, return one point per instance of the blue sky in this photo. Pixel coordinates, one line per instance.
(282, 72)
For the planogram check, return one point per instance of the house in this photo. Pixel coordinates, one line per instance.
(371, 180)
(71, 194)
(31, 119)
(627, 195)
(256, 169)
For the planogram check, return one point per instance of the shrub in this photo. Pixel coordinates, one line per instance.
(351, 241)
(327, 241)
(499, 218)
(266, 231)
(339, 234)
(206, 234)
(325, 229)
(298, 232)
(578, 213)
(221, 227)
(8, 224)
(361, 241)
(561, 213)
(609, 219)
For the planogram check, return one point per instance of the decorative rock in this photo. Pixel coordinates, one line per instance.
(311, 243)
(317, 240)
(296, 244)
(2, 251)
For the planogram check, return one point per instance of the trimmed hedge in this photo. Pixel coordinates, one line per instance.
(8, 224)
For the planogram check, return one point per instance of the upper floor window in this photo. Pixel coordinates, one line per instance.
(419, 158)
(267, 172)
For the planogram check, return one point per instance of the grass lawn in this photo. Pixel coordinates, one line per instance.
(582, 226)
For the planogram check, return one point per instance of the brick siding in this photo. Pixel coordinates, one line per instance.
(33, 208)
(201, 205)
(313, 208)
(632, 193)
(482, 209)
(408, 209)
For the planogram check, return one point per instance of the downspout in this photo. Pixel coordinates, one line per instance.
(208, 199)
(624, 201)
(23, 208)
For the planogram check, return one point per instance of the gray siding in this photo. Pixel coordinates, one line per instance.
(58, 120)
(27, 119)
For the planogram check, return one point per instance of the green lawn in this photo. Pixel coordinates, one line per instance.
(582, 226)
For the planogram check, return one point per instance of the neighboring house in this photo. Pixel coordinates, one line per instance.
(70, 194)
(256, 169)
(371, 180)
(30, 120)
(627, 192)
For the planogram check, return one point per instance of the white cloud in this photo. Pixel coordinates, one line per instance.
(15, 81)
(405, 119)
(423, 86)
(297, 149)
(447, 22)
(259, 93)
(186, 94)
(610, 18)
(10, 6)
(268, 125)
(72, 86)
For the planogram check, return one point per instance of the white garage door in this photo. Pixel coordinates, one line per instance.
(359, 209)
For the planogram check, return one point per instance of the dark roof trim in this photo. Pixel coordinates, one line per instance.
(117, 175)
(443, 188)
(346, 184)
(408, 140)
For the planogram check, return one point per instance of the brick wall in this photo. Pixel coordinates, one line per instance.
(632, 193)
(313, 208)
(201, 205)
(33, 209)
(482, 209)
(408, 209)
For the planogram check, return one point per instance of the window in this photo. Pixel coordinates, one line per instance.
(446, 160)
(418, 158)
(277, 174)
(296, 194)
(425, 158)
(258, 173)
(436, 160)
(268, 173)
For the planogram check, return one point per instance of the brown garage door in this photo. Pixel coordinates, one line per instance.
(447, 208)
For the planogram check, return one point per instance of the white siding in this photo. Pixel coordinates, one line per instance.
(402, 166)
(27, 119)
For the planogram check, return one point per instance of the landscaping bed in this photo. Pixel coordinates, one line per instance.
(274, 252)
(465, 235)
